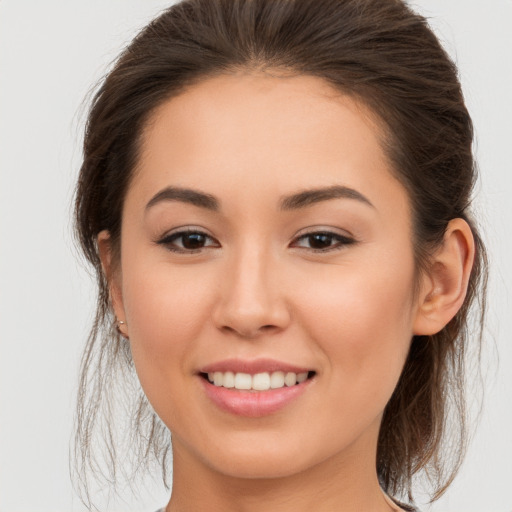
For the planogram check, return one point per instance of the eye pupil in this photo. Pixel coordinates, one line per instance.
(320, 241)
(193, 240)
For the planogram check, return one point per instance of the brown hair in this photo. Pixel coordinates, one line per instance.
(386, 56)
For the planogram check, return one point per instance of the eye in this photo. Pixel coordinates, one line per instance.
(322, 241)
(187, 241)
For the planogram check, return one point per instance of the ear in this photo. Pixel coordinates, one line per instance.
(445, 284)
(112, 275)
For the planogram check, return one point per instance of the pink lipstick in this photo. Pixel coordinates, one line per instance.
(254, 388)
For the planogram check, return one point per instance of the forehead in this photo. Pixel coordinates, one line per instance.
(257, 132)
(247, 108)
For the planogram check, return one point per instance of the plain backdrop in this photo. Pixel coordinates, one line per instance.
(51, 53)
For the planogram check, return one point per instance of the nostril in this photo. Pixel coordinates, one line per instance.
(250, 333)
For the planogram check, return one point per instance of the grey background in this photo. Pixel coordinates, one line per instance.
(51, 52)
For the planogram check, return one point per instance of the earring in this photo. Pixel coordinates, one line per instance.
(119, 323)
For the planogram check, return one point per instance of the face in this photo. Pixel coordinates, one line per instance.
(264, 238)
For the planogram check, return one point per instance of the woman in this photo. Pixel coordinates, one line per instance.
(274, 196)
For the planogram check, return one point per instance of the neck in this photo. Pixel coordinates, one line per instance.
(344, 484)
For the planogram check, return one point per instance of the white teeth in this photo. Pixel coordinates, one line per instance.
(243, 381)
(229, 380)
(259, 382)
(277, 380)
(301, 377)
(290, 379)
(218, 378)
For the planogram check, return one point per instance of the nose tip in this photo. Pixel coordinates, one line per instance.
(250, 304)
(237, 317)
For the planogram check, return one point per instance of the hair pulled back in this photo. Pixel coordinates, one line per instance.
(386, 56)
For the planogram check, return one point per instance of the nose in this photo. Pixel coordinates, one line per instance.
(251, 301)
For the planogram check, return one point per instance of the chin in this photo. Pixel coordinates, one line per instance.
(266, 457)
(259, 467)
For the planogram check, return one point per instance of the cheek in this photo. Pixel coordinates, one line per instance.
(361, 319)
(166, 308)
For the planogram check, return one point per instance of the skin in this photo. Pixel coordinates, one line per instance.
(259, 289)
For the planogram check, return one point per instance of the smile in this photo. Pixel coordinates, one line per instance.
(254, 388)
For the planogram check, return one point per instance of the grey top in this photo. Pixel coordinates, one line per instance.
(405, 507)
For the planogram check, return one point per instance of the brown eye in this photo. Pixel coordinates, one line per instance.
(188, 241)
(193, 240)
(322, 241)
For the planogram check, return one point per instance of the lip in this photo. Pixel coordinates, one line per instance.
(252, 366)
(253, 404)
(250, 403)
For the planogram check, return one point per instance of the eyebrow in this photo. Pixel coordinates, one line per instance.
(185, 195)
(296, 201)
(312, 196)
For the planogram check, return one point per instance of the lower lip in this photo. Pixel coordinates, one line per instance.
(253, 404)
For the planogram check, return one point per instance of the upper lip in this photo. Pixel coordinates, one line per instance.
(252, 367)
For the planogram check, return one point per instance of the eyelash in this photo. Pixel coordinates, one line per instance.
(170, 239)
(341, 240)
